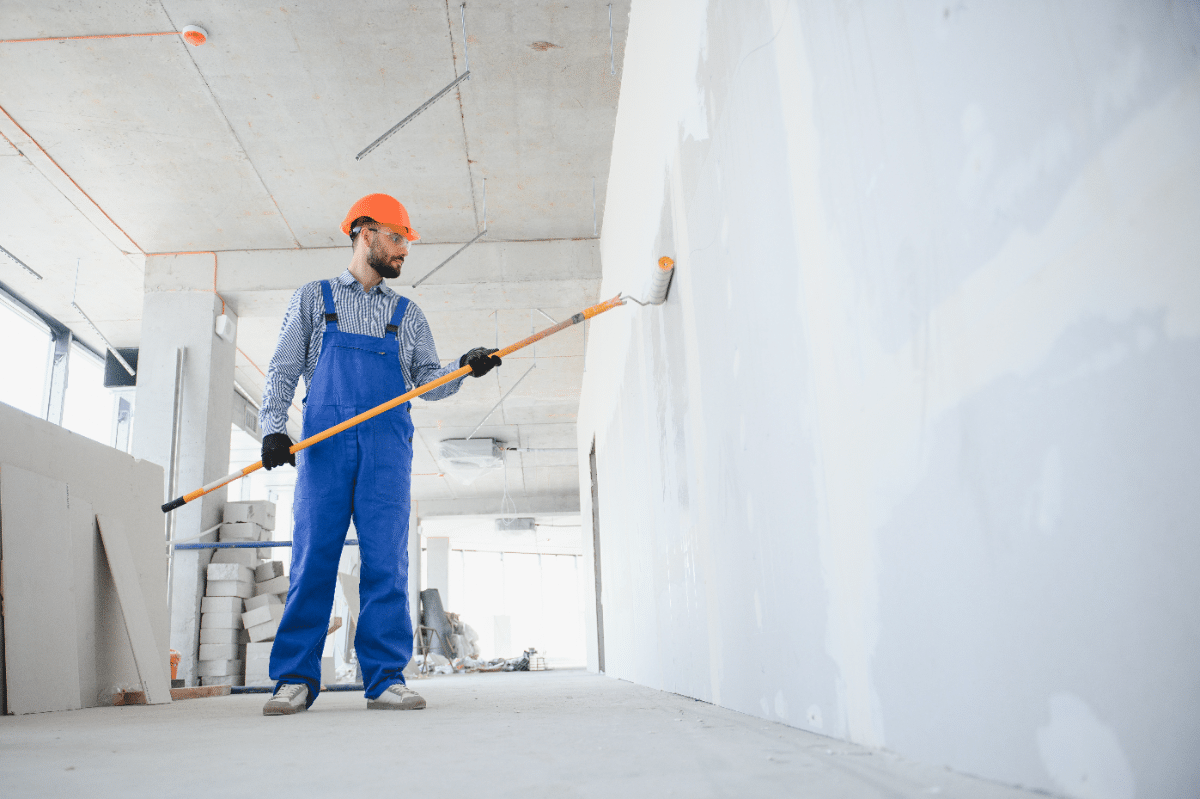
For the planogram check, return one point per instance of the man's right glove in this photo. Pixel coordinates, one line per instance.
(480, 360)
(275, 451)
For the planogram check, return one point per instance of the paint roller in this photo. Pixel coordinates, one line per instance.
(659, 286)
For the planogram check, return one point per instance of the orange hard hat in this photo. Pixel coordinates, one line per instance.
(384, 209)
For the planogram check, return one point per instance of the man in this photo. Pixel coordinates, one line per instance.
(358, 344)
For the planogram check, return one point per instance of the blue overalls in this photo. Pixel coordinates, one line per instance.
(365, 473)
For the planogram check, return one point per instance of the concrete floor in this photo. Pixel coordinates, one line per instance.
(558, 733)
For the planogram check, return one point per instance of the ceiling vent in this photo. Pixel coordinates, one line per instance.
(465, 459)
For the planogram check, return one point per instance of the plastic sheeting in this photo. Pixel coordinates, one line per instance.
(466, 459)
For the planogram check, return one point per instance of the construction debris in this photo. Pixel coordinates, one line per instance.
(243, 601)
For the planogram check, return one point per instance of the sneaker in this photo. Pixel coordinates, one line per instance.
(289, 699)
(397, 697)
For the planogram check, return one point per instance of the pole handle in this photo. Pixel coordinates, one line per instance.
(462, 371)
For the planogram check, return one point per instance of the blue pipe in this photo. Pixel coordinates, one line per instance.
(350, 542)
(270, 689)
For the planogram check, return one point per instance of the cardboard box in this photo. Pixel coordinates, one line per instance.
(233, 679)
(242, 531)
(261, 600)
(229, 588)
(268, 571)
(249, 558)
(328, 672)
(220, 668)
(224, 635)
(222, 604)
(258, 664)
(264, 632)
(230, 571)
(228, 621)
(220, 652)
(278, 585)
(253, 618)
(260, 511)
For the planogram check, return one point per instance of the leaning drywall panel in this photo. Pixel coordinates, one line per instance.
(41, 651)
(152, 674)
(907, 456)
(113, 483)
(87, 567)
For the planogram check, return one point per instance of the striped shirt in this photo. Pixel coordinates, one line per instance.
(367, 313)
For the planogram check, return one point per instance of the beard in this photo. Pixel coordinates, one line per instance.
(380, 264)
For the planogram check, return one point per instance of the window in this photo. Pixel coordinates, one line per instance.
(87, 406)
(24, 357)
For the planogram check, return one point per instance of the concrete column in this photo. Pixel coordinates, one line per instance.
(437, 570)
(173, 320)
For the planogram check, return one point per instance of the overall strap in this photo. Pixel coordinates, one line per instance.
(394, 325)
(330, 311)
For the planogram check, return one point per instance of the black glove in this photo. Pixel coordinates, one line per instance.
(480, 360)
(275, 451)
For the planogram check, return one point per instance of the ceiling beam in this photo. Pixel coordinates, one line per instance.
(490, 275)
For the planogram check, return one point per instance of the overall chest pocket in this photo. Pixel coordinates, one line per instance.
(363, 348)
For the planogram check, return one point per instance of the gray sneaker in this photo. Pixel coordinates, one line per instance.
(397, 697)
(289, 699)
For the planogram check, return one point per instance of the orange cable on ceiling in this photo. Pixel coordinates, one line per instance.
(97, 36)
(93, 201)
(199, 252)
(68, 177)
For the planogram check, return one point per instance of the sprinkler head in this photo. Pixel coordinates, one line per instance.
(194, 35)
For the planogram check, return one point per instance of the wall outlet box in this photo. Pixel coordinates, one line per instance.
(226, 328)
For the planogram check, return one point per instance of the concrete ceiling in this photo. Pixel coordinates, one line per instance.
(119, 148)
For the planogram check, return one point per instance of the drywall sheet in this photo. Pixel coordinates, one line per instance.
(133, 607)
(41, 650)
(112, 483)
(85, 565)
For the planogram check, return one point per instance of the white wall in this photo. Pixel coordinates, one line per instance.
(909, 456)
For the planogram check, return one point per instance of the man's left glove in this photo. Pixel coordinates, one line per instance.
(480, 360)
(275, 451)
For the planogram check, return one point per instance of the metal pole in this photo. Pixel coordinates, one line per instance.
(612, 67)
(173, 474)
(412, 116)
(21, 263)
(107, 344)
(466, 58)
(463, 371)
(451, 258)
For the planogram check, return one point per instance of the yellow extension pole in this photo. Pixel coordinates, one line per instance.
(600, 308)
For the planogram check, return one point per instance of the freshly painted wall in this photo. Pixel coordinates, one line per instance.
(911, 454)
